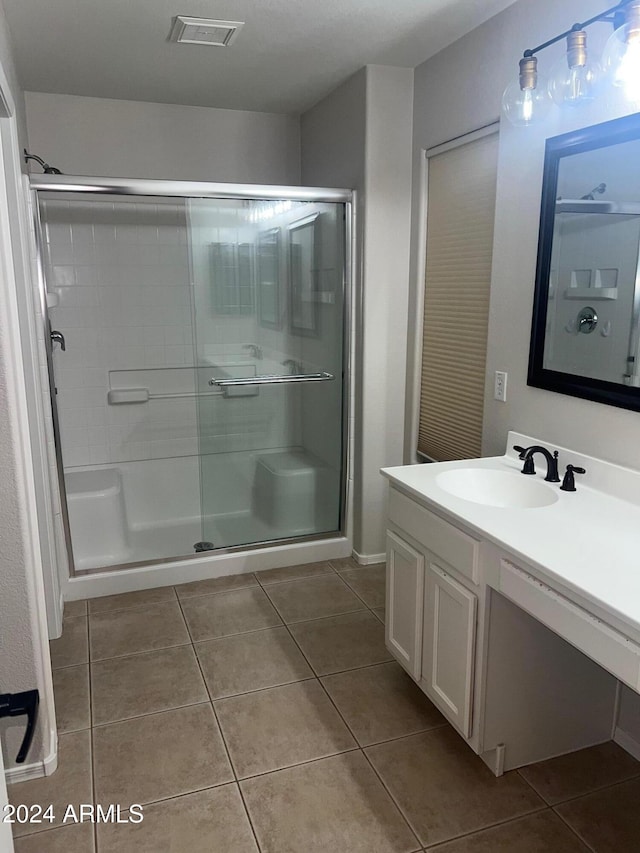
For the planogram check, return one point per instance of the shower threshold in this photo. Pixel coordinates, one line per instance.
(177, 540)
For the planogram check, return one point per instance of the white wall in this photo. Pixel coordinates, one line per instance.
(359, 136)
(109, 138)
(458, 91)
(22, 631)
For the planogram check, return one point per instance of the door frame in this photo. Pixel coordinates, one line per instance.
(24, 391)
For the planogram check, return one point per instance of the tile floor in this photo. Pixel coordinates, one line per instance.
(264, 713)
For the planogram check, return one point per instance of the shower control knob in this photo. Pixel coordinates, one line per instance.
(587, 320)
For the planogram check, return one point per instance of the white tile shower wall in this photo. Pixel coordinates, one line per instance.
(120, 270)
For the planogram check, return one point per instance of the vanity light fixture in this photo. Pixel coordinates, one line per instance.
(621, 57)
(575, 79)
(526, 99)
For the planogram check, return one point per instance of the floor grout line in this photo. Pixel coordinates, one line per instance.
(91, 741)
(588, 793)
(140, 652)
(150, 714)
(265, 584)
(574, 831)
(300, 621)
(363, 609)
(131, 607)
(471, 833)
(316, 760)
(393, 799)
(222, 737)
(193, 644)
(360, 748)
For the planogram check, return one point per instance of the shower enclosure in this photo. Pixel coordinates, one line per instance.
(197, 363)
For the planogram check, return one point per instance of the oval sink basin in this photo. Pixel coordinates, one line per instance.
(496, 488)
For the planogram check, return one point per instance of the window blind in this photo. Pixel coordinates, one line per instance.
(460, 213)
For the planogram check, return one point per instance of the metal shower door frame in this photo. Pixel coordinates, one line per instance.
(41, 184)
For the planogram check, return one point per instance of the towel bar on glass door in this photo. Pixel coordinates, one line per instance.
(273, 380)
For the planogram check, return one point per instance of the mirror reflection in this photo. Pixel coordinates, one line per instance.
(586, 325)
(594, 276)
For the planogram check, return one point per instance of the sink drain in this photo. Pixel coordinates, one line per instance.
(203, 546)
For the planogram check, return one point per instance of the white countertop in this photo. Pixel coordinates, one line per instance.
(588, 540)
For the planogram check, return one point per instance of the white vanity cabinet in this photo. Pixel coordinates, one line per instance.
(432, 605)
(519, 636)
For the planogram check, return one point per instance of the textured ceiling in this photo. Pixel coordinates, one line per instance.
(289, 54)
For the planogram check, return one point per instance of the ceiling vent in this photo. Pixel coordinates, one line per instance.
(205, 31)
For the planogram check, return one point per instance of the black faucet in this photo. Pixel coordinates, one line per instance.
(527, 454)
(569, 482)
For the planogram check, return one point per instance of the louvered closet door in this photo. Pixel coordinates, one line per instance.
(460, 214)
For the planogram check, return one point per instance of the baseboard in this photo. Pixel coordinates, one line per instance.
(368, 559)
(27, 772)
(628, 743)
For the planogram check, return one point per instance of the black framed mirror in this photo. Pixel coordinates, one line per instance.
(585, 337)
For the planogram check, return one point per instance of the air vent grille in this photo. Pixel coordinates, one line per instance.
(205, 31)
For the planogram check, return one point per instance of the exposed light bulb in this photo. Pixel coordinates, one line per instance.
(574, 79)
(621, 57)
(526, 100)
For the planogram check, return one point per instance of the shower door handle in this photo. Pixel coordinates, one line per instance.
(58, 337)
(273, 380)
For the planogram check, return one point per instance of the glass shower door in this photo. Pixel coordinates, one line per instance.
(268, 301)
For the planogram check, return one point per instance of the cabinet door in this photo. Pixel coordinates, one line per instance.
(449, 646)
(405, 602)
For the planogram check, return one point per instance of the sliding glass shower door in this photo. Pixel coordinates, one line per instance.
(196, 361)
(269, 308)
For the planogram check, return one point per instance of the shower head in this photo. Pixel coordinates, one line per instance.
(47, 169)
